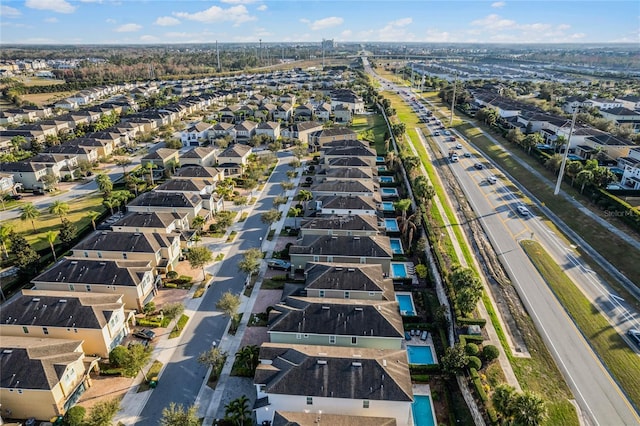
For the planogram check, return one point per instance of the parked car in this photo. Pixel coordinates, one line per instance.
(278, 264)
(634, 335)
(145, 334)
(523, 210)
(478, 166)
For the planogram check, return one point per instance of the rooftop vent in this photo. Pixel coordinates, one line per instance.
(7, 351)
(351, 270)
(63, 300)
(356, 364)
(356, 238)
(358, 309)
(326, 307)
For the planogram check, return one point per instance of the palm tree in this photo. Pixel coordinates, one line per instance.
(104, 184)
(150, 166)
(529, 409)
(30, 212)
(51, 236)
(304, 196)
(237, 411)
(59, 208)
(5, 236)
(585, 177)
(248, 356)
(573, 168)
(111, 204)
(93, 215)
(531, 140)
(403, 205)
(198, 222)
(123, 162)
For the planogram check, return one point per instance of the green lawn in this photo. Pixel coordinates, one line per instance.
(375, 123)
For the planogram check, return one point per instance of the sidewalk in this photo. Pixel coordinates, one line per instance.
(209, 401)
(133, 402)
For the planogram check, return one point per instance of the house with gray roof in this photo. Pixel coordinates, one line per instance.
(135, 280)
(168, 202)
(302, 130)
(160, 250)
(363, 174)
(295, 418)
(199, 156)
(26, 173)
(345, 188)
(196, 134)
(347, 281)
(269, 128)
(334, 380)
(97, 319)
(366, 154)
(233, 159)
(42, 377)
(149, 222)
(347, 225)
(358, 323)
(332, 134)
(342, 249)
(347, 206)
(349, 161)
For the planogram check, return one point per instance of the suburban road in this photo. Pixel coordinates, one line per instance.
(599, 397)
(183, 375)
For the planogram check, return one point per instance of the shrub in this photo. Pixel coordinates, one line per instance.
(477, 384)
(471, 349)
(118, 356)
(75, 415)
(490, 352)
(149, 308)
(474, 362)
(172, 275)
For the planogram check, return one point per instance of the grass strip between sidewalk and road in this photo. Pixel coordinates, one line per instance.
(610, 347)
(177, 329)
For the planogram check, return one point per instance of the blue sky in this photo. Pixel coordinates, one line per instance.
(205, 21)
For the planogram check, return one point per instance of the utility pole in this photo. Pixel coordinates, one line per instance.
(218, 56)
(566, 152)
(260, 56)
(322, 54)
(453, 99)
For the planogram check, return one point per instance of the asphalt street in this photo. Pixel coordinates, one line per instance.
(183, 375)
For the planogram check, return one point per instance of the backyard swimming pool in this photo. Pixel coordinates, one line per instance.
(396, 245)
(420, 355)
(422, 411)
(386, 179)
(399, 270)
(391, 225)
(405, 301)
(389, 192)
(382, 168)
(387, 206)
(380, 160)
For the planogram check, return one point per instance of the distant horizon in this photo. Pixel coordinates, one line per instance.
(160, 22)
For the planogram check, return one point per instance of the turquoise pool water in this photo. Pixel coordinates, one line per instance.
(386, 179)
(396, 246)
(399, 270)
(420, 355)
(382, 168)
(380, 160)
(406, 306)
(391, 225)
(387, 206)
(389, 191)
(422, 412)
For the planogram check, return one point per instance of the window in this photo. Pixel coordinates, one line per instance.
(45, 330)
(88, 287)
(25, 330)
(316, 258)
(321, 293)
(72, 287)
(363, 260)
(86, 254)
(365, 403)
(309, 400)
(329, 258)
(332, 340)
(298, 336)
(124, 256)
(354, 340)
(99, 255)
(347, 295)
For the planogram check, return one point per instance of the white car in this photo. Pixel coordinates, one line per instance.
(492, 179)
(523, 210)
(459, 146)
(634, 335)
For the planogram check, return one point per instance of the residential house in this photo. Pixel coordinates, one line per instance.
(103, 148)
(57, 165)
(347, 98)
(196, 134)
(265, 112)
(289, 98)
(290, 418)
(333, 134)
(631, 102)
(342, 249)
(601, 103)
(28, 175)
(228, 113)
(610, 145)
(303, 112)
(245, 130)
(70, 149)
(323, 111)
(342, 205)
(364, 153)
(165, 202)
(358, 323)
(42, 377)
(162, 251)
(302, 130)
(354, 381)
(623, 117)
(631, 177)
(199, 156)
(234, 159)
(246, 110)
(347, 281)
(134, 280)
(632, 160)
(67, 103)
(162, 158)
(347, 225)
(220, 130)
(269, 128)
(97, 319)
(283, 112)
(189, 171)
(344, 188)
(348, 162)
(342, 114)
(152, 222)
(363, 174)
(8, 184)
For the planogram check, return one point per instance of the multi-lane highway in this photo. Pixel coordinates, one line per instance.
(495, 205)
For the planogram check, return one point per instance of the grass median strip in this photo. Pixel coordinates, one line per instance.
(612, 349)
(179, 327)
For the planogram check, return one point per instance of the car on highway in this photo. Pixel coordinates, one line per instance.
(492, 179)
(523, 210)
(478, 166)
(278, 264)
(634, 335)
(454, 158)
(459, 146)
(452, 138)
(467, 154)
(436, 133)
(447, 133)
(145, 334)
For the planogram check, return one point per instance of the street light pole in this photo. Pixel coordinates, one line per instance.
(566, 152)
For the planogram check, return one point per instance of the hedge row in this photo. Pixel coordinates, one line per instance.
(424, 368)
(470, 338)
(472, 321)
(477, 384)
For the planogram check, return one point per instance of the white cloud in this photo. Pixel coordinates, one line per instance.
(166, 21)
(51, 20)
(395, 30)
(436, 36)
(9, 12)
(238, 1)
(149, 38)
(262, 7)
(321, 24)
(498, 4)
(110, 21)
(60, 6)
(128, 28)
(400, 22)
(493, 22)
(236, 14)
